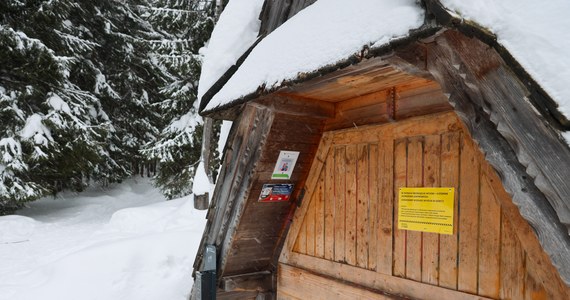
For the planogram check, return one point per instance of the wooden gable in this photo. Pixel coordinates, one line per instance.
(347, 229)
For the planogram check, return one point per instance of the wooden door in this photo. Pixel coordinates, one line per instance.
(346, 229)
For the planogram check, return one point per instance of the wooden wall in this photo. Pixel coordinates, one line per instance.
(347, 229)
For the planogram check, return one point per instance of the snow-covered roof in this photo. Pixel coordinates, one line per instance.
(329, 31)
(235, 32)
(320, 35)
(536, 34)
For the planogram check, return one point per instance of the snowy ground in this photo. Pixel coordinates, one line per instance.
(123, 243)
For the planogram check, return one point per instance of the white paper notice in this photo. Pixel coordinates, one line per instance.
(285, 165)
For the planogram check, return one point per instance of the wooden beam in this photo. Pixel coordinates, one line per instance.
(389, 284)
(310, 186)
(260, 281)
(296, 283)
(291, 105)
(235, 182)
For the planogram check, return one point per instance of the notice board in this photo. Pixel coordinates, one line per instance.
(426, 209)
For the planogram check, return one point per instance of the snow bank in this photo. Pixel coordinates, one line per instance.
(536, 33)
(126, 243)
(235, 32)
(322, 34)
(16, 229)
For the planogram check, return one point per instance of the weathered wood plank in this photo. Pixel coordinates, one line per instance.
(523, 128)
(373, 280)
(430, 243)
(255, 133)
(362, 205)
(340, 207)
(310, 222)
(297, 106)
(449, 178)
(527, 238)
(438, 124)
(329, 206)
(414, 179)
(399, 242)
(296, 283)
(320, 217)
(351, 224)
(468, 247)
(533, 289)
(386, 206)
(489, 242)
(301, 244)
(373, 188)
(512, 263)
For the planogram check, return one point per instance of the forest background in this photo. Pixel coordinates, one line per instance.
(96, 91)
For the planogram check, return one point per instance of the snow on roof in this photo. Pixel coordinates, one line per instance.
(322, 34)
(235, 32)
(536, 33)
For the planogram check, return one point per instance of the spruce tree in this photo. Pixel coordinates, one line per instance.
(85, 84)
(52, 127)
(185, 26)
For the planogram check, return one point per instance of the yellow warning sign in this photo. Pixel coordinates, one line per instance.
(426, 209)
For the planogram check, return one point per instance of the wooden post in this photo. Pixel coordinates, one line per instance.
(201, 202)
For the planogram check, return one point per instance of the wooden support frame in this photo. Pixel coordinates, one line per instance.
(380, 282)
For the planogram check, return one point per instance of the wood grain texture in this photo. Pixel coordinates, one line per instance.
(449, 178)
(386, 207)
(415, 179)
(389, 284)
(351, 205)
(329, 202)
(373, 214)
(489, 243)
(430, 242)
(362, 205)
(340, 207)
(399, 239)
(469, 202)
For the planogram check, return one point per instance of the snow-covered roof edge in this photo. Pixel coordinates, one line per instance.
(235, 32)
(437, 18)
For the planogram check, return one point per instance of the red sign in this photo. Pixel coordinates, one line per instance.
(275, 192)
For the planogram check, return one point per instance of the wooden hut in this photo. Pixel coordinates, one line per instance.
(445, 106)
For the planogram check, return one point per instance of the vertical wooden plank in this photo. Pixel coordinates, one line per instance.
(449, 178)
(414, 238)
(310, 224)
(512, 263)
(373, 187)
(340, 209)
(362, 206)
(350, 238)
(489, 242)
(430, 243)
(533, 289)
(320, 217)
(468, 216)
(386, 207)
(399, 244)
(329, 206)
(301, 243)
